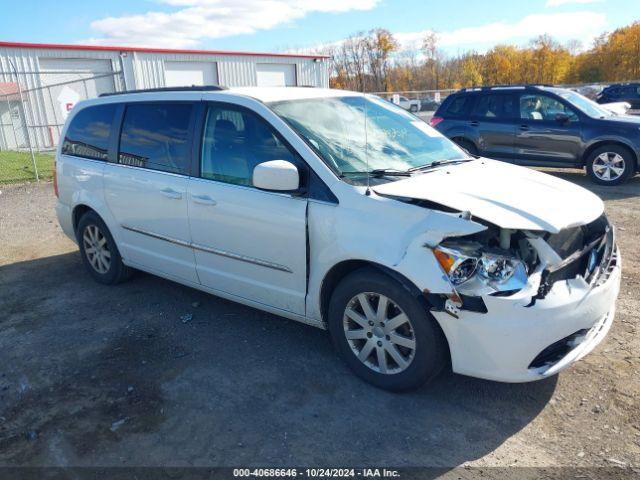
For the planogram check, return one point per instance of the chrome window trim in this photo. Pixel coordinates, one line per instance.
(215, 251)
(144, 169)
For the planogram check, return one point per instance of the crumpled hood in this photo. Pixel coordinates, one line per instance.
(506, 195)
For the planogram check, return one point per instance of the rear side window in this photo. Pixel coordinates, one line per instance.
(459, 106)
(89, 131)
(494, 106)
(156, 136)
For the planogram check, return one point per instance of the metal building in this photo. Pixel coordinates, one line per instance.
(40, 83)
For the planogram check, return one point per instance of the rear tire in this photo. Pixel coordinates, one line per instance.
(467, 145)
(413, 108)
(99, 252)
(394, 343)
(610, 165)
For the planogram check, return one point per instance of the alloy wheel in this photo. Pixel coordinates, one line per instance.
(608, 166)
(379, 333)
(96, 249)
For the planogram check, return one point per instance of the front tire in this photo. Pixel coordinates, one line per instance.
(99, 252)
(610, 165)
(383, 332)
(413, 108)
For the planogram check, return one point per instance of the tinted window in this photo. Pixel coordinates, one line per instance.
(543, 108)
(234, 142)
(494, 106)
(88, 133)
(459, 106)
(155, 136)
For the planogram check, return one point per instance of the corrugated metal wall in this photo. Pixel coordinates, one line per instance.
(131, 70)
(38, 122)
(233, 70)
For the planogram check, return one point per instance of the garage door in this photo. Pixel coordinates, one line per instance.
(95, 75)
(70, 80)
(185, 74)
(275, 75)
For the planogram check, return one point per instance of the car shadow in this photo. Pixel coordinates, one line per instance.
(629, 189)
(150, 372)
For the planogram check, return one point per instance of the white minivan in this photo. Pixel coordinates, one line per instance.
(345, 212)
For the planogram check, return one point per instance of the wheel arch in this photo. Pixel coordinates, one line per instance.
(464, 138)
(339, 271)
(602, 142)
(78, 212)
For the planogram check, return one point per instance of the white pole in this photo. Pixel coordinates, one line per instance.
(26, 126)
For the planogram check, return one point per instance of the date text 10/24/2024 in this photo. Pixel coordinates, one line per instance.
(316, 473)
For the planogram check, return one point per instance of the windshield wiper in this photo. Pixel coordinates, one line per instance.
(437, 163)
(382, 172)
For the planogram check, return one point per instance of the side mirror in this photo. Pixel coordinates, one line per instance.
(276, 176)
(562, 118)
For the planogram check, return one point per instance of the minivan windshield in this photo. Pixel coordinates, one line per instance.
(359, 134)
(588, 107)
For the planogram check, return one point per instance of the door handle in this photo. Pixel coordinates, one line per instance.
(524, 128)
(474, 123)
(203, 200)
(171, 193)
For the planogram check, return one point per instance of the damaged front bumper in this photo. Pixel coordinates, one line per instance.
(516, 340)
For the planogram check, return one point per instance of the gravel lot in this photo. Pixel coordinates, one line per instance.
(112, 376)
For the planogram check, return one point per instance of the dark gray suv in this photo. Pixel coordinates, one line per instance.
(542, 126)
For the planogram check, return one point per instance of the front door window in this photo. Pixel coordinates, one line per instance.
(538, 107)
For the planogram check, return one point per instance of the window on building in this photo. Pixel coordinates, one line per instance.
(156, 136)
(89, 131)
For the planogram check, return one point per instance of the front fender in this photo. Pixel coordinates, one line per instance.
(397, 237)
(622, 140)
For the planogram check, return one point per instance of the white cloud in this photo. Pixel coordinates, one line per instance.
(583, 26)
(197, 20)
(559, 3)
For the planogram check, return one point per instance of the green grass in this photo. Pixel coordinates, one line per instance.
(16, 167)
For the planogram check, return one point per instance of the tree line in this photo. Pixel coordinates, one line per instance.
(374, 62)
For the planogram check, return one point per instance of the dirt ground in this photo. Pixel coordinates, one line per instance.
(115, 376)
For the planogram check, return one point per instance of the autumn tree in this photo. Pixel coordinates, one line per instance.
(373, 61)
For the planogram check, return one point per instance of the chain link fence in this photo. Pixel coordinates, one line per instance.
(35, 105)
(33, 110)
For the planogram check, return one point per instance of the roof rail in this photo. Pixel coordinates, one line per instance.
(505, 87)
(193, 88)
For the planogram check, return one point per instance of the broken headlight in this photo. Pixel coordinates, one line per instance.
(475, 270)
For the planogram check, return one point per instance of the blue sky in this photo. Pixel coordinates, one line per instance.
(280, 25)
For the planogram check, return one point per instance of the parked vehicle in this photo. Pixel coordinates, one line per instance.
(589, 91)
(619, 108)
(543, 126)
(413, 105)
(429, 105)
(342, 211)
(621, 92)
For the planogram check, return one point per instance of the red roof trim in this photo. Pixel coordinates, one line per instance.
(151, 50)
